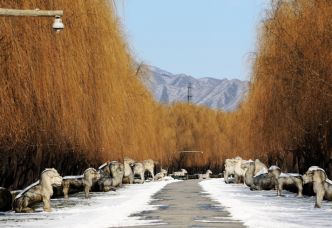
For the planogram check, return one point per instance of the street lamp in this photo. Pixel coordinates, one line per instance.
(57, 24)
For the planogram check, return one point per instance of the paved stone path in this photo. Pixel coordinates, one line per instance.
(184, 205)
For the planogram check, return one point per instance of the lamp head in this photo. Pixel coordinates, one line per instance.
(58, 24)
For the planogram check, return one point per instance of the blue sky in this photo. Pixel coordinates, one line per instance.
(202, 38)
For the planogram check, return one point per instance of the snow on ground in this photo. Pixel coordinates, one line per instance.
(265, 209)
(110, 209)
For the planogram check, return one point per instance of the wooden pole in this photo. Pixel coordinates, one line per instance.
(30, 13)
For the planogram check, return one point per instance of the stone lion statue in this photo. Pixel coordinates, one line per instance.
(5, 200)
(90, 177)
(128, 176)
(322, 186)
(40, 191)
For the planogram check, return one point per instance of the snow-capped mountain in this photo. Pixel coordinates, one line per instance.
(215, 93)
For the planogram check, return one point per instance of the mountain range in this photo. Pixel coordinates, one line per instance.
(223, 94)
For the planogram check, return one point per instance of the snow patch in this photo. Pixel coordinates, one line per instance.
(261, 209)
(27, 189)
(103, 165)
(315, 168)
(329, 181)
(110, 209)
(274, 167)
(72, 177)
(262, 171)
(290, 175)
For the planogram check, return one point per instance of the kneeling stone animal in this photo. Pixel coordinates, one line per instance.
(263, 180)
(40, 191)
(322, 186)
(161, 175)
(181, 173)
(205, 175)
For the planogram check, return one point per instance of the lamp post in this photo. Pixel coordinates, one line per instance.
(57, 14)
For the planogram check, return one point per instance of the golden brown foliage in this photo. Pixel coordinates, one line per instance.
(74, 99)
(289, 108)
(287, 116)
(69, 98)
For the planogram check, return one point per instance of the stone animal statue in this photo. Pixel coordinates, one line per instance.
(252, 168)
(90, 177)
(128, 176)
(138, 169)
(181, 173)
(205, 175)
(234, 167)
(250, 172)
(74, 184)
(321, 185)
(117, 172)
(265, 181)
(104, 169)
(260, 167)
(287, 180)
(161, 175)
(230, 165)
(230, 177)
(40, 191)
(104, 183)
(262, 180)
(71, 185)
(5, 200)
(149, 166)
